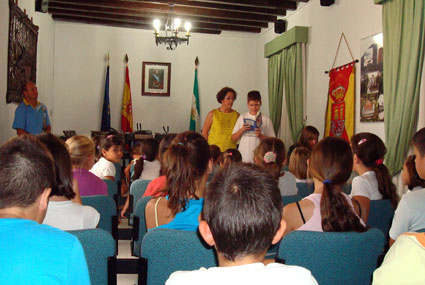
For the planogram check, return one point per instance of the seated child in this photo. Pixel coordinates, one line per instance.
(242, 132)
(147, 166)
(231, 155)
(410, 176)
(270, 154)
(217, 159)
(309, 138)
(33, 253)
(410, 213)
(298, 163)
(187, 163)
(242, 217)
(62, 213)
(328, 209)
(135, 155)
(81, 150)
(110, 152)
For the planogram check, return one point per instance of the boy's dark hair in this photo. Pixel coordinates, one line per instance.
(63, 167)
(414, 179)
(26, 170)
(243, 209)
(418, 141)
(254, 96)
(223, 92)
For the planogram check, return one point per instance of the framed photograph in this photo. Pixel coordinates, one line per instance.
(156, 78)
(371, 79)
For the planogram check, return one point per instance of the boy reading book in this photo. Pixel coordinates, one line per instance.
(242, 217)
(252, 127)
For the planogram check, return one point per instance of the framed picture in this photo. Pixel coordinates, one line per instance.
(156, 78)
(371, 79)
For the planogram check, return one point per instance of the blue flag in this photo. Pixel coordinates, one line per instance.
(106, 111)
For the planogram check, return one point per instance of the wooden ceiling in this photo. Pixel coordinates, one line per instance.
(206, 16)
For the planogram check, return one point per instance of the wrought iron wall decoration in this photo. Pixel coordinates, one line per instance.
(22, 52)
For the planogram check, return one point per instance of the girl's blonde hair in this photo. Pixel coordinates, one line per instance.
(298, 162)
(79, 147)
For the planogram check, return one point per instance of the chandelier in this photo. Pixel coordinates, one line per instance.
(171, 28)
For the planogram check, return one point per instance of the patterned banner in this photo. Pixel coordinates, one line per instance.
(340, 108)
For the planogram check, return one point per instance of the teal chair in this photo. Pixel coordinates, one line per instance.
(420, 231)
(305, 189)
(346, 188)
(107, 210)
(381, 214)
(139, 225)
(334, 257)
(137, 189)
(165, 251)
(290, 199)
(99, 249)
(112, 188)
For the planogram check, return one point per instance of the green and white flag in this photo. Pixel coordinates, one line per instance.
(194, 114)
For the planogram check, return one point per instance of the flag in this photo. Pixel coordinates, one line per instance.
(340, 108)
(106, 111)
(127, 112)
(194, 114)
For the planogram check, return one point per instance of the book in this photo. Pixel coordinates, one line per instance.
(254, 124)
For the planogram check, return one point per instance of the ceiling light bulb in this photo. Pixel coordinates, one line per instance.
(156, 24)
(187, 26)
(177, 23)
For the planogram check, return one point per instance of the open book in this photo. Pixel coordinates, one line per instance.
(254, 124)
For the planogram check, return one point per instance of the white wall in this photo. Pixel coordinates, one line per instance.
(44, 63)
(357, 20)
(79, 74)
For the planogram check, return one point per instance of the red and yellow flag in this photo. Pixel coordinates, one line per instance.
(340, 108)
(127, 111)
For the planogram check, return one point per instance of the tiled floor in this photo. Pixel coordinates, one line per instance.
(124, 251)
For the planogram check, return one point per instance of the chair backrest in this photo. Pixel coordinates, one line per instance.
(381, 214)
(107, 210)
(290, 199)
(118, 170)
(420, 231)
(139, 224)
(112, 187)
(305, 189)
(99, 248)
(137, 189)
(167, 251)
(334, 257)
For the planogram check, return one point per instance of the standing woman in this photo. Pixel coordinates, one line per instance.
(219, 123)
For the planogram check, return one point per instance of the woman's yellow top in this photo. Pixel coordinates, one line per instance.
(222, 128)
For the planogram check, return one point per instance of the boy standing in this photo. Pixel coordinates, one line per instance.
(248, 135)
(32, 253)
(242, 217)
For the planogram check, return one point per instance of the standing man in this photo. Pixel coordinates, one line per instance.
(31, 116)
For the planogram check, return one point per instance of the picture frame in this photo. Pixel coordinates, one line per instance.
(156, 78)
(371, 79)
(22, 52)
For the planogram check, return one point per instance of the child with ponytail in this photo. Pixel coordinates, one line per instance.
(270, 154)
(109, 152)
(187, 165)
(374, 180)
(231, 155)
(328, 209)
(147, 166)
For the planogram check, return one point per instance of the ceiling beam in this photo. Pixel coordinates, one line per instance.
(276, 4)
(152, 7)
(123, 24)
(147, 20)
(141, 13)
(281, 11)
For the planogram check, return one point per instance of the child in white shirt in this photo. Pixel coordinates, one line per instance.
(110, 151)
(249, 137)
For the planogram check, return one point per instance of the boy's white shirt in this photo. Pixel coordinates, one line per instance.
(249, 141)
(255, 273)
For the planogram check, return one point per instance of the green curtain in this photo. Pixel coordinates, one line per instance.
(275, 79)
(293, 81)
(403, 31)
